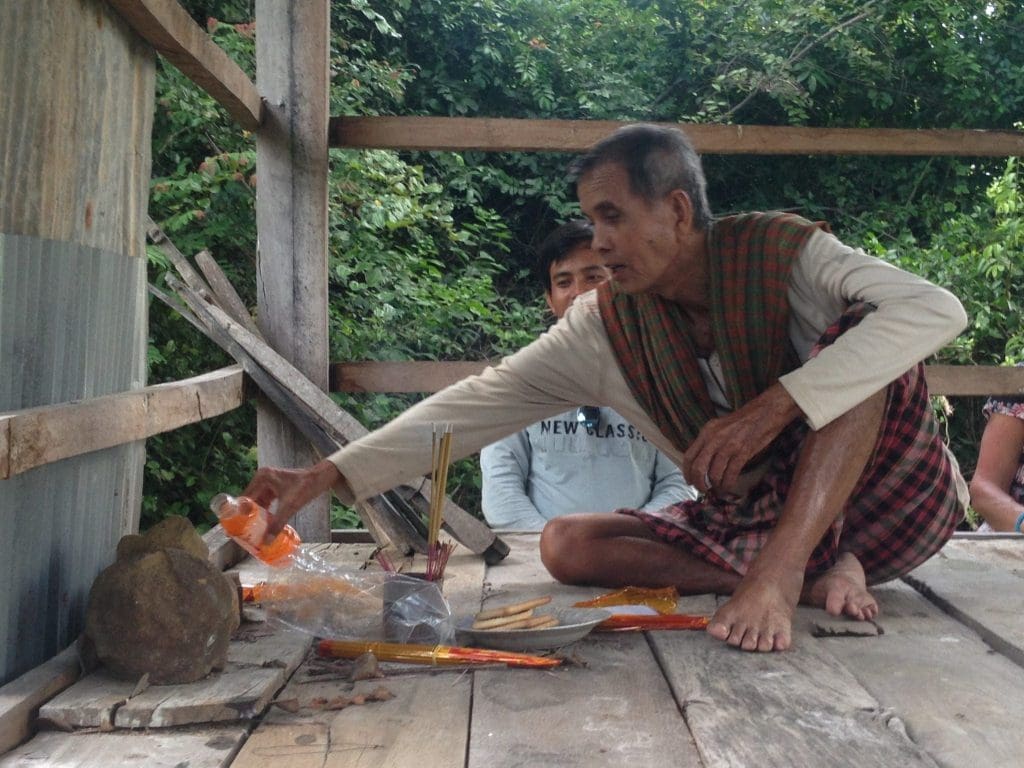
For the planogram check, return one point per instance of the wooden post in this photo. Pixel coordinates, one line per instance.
(292, 46)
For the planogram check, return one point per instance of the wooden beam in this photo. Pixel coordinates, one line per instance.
(36, 436)
(974, 380)
(166, 26)
(430, 376)
(292, 52)
(458, 134)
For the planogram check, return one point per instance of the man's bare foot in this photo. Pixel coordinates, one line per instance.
(759, 615)
(843, 590)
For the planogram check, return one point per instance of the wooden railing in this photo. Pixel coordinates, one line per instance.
(951, 380)
(32, 437)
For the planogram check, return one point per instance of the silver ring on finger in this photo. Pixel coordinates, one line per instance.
(707, 480)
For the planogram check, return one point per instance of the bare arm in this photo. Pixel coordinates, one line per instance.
(998, 461)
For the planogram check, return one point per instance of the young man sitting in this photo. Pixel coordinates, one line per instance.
(588, 459)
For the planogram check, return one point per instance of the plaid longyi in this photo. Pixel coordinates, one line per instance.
(903, 509)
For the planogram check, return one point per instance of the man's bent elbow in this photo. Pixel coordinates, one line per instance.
(951, 308)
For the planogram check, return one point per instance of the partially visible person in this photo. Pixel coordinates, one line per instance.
(997, 488)
(588, 459)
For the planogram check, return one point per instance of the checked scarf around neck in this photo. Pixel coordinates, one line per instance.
(750, 257)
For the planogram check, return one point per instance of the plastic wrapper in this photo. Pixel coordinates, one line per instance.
(325, 600)
(661, 600)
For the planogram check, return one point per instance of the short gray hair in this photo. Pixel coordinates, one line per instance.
(657, 160)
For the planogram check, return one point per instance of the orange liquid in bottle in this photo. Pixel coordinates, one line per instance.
(246, 522)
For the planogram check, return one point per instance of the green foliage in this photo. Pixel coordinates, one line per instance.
(978, 255)
(430, 252)
(897, 63)
(408, 281)
(400, 260)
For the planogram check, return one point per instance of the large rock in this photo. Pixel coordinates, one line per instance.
(161, 610)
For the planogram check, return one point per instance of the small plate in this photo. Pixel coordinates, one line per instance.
(573, 623)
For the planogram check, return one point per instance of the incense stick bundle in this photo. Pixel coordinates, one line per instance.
(441, 452)
(441, 456)
(431, 654)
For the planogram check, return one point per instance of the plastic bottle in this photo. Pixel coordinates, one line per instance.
(246, 522)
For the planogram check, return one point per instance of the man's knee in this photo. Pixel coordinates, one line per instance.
(561, 542)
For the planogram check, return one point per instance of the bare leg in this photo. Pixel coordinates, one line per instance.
(613, 550)
(759, 614)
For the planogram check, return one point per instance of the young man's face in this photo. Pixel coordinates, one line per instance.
(580, 270)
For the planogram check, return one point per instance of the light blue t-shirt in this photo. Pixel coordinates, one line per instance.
(557, 467)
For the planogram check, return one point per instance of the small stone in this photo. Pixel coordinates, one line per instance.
(288, 705)
(365, 667)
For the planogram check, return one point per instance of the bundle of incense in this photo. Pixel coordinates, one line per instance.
(441, 456)
(437, 655)
(637, 622)
(516, 616)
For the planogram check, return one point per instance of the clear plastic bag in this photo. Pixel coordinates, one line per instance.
(324, 600)
(415, 611)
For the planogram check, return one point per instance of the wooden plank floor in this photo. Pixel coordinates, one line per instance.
(936, 680)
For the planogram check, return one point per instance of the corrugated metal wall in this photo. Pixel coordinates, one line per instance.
(71, 325)
(75, 128)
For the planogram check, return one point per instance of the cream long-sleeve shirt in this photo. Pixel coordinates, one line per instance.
(573, 362)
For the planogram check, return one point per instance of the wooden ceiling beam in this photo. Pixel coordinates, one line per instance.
(458, 134)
